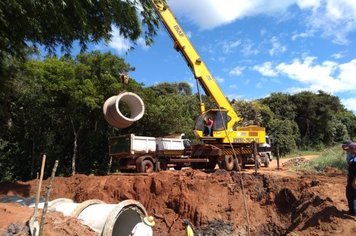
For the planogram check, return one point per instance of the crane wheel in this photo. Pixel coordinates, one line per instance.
(228, 162)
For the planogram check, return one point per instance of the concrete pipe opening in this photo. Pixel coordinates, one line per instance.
(134, 106)
(123, 218)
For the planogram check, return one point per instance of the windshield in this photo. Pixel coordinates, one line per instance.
(220, 119)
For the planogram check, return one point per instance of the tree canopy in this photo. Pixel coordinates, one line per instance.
(26, 23)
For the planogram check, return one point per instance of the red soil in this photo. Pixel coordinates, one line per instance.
(277, 204)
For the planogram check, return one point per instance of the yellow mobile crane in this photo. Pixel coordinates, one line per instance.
(230, 145)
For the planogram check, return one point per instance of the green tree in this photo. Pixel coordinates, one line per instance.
(57, 109)
(315, 113)
(168, 111)
(285, 134)
(248, 111)
(349, 120)
(281, 105)
(61, 22)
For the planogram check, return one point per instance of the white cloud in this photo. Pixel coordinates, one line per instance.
(265, 69)
(233, 86)
(277, 47)
(123, 45)
(141, 42)
(237, 71)
(308, 3)
(229, 46)
(338, 55)
(249, 49)
(350, 104)
(334, 18)
(307, 34)
(328, 76)
(208, 14)
(118, 42)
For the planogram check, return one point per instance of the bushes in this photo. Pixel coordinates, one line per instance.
(332, 157)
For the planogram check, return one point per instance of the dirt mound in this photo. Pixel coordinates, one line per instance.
(217, 203)
(14, 217)
(297, 161)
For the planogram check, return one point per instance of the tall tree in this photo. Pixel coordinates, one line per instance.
(26, 23)
(281, 105)
(248, 111)
(58, 107)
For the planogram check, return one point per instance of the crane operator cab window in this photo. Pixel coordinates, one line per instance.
(219, 121)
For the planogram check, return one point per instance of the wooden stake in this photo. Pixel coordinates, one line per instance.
(48, 192)
(33, 223)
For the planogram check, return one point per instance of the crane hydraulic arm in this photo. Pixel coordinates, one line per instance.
(226, 119)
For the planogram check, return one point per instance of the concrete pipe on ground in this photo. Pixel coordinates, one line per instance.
(105, 219)
(114, 116)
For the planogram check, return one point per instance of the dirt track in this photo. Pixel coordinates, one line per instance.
(278, 202)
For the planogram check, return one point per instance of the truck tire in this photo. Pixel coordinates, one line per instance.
(210, 165)
(177, 167)
(146, 166)
(266, 162)
(228, 162)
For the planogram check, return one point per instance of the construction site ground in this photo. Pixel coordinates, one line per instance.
(271, 202)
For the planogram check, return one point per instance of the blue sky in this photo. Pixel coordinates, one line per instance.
(257, 47)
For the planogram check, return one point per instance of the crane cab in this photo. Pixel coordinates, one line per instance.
(221, 120)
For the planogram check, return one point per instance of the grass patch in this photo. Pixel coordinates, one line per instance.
(331, 157)
(298, 153)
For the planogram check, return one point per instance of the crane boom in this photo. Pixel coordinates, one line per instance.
(225, 129)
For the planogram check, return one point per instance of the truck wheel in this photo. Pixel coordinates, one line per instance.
(177, 167)
(147, 166)
(228, 162)
(210, 165)
(266, 162)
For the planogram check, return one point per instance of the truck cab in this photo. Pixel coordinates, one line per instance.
(266, 156)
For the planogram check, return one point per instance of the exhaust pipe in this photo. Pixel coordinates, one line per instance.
(114, 116)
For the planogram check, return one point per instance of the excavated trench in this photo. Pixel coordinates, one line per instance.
(214, 202)
(275, 207)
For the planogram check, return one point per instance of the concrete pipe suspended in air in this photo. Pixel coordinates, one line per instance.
(114, 116)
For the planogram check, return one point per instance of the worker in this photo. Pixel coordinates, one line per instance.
(209, 124)
(144, 228)
(351, 180)
(345, 147)
(188, 228)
